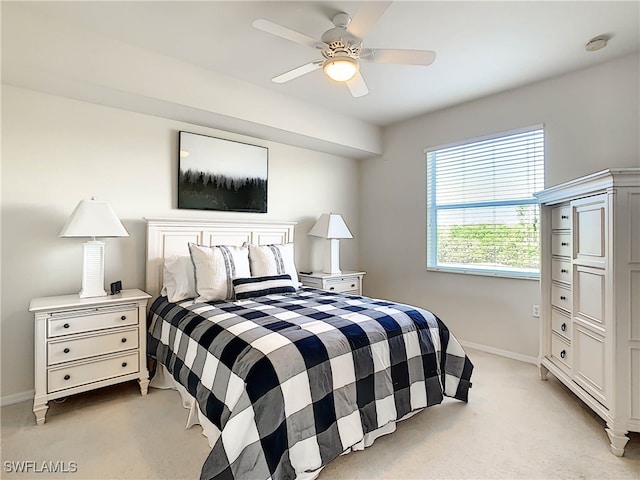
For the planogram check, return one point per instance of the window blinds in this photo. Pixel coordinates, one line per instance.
(482, 214)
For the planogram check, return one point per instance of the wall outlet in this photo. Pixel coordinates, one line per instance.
(536, 311)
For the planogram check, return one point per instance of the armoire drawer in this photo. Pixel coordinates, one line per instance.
(561, 351)
(561, 324)
(561, 244)
(561, 297)
(561, 270)
(560, 218)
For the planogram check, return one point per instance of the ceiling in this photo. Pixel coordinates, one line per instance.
(482, 47)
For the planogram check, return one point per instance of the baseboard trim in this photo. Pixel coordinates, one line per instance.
(16, 398)
(500, 352)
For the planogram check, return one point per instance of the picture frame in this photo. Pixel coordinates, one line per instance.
(219, 174)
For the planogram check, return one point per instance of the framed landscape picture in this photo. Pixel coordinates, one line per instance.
(218, 174)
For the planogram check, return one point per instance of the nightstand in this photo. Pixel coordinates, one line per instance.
(86, 343)
(345, 282)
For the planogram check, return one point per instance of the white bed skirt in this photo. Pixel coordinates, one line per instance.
(164, 380)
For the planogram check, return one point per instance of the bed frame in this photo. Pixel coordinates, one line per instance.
(169, 237)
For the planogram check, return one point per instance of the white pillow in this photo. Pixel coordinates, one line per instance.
(267, 260)
(215, 269)
(179, 281)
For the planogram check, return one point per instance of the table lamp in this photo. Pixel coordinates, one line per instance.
(93, 218)
(332, 227)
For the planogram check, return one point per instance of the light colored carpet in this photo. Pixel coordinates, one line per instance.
(515, 426)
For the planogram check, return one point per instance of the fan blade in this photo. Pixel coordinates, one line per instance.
(284, 32)
(404, 57)
(357, 87)
(366, 17)
(297, 72)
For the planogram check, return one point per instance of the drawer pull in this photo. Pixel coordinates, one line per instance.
(67, 377)
(353, 285)
(564, 270)
(562, 297)
(66, 325)
(331, 288)
(564, 217)
(124, 340)
(66, 350)
(564, 244)
(124, 364)
(563, 354)
(563, 327)
(123, 317)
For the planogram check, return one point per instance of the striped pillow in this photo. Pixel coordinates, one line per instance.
(276, 259)
(215, 268)
(259, 286)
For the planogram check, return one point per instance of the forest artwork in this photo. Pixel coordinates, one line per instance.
(218, 174)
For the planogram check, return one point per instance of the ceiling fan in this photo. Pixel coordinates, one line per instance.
(342, 48)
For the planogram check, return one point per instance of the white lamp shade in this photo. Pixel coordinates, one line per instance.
(330, 225)
(93, 218)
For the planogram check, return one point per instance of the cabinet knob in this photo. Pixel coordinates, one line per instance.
(124, 340)
(563, 354)
(331, 288)
(564, 244)
(124, 364)
(67, 377)
(66, 325)
(564, 217)
(563, 327)
(353, 285)
(562, 297)
(66, 350)
(123, 317)
(564, 270)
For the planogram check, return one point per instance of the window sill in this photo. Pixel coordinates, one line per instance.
(488, 273)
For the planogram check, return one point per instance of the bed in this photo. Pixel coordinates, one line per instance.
(284, 378)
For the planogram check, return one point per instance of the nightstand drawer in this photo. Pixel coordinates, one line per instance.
(73, 375)
(343, 285)
(344, 282)
(92, 345)
(89, 320)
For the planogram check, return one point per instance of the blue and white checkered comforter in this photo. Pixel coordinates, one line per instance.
(294, 380)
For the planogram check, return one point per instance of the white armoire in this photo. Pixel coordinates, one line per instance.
(590, 294)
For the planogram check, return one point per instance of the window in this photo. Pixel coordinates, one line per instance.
(482, 216)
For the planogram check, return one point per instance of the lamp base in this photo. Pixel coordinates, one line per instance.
(332, 258)
(93, 270)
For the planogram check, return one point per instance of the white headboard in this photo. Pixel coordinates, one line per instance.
(169, 237)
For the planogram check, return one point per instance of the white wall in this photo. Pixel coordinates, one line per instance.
(591, 122)
(57, 151)
(47, 54)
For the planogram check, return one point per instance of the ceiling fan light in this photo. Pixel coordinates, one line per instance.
(341, 69)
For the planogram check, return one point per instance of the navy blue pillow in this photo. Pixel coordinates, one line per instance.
(259, 286)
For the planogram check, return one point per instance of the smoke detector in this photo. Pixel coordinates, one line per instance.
(596, 43)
